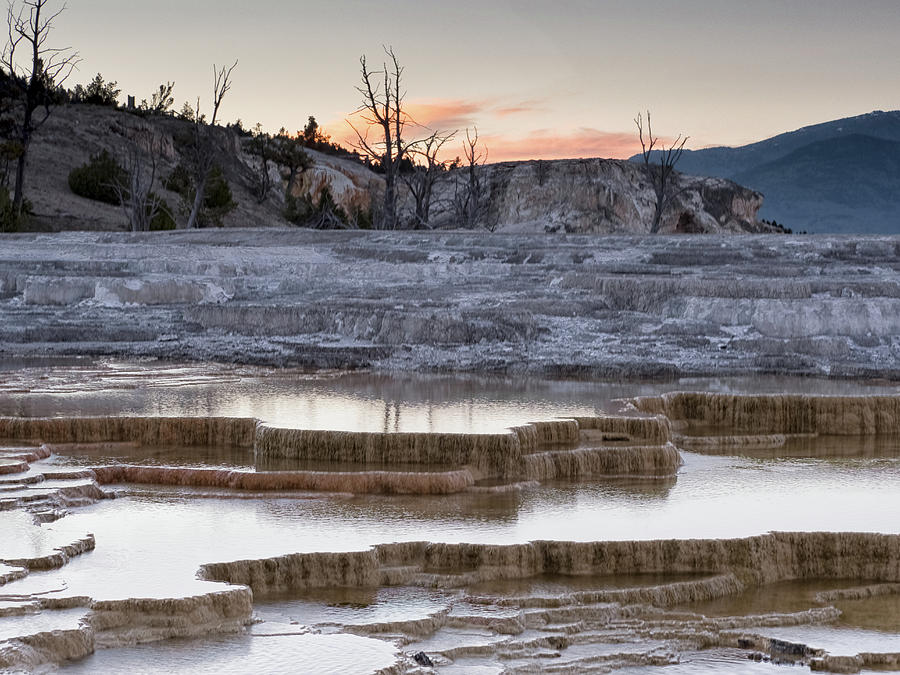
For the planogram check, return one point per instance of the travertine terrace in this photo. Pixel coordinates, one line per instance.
(549, 305)
(481, 598)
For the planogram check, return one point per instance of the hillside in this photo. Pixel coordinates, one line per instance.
(838, 176)
(845, 184)
(575, 196)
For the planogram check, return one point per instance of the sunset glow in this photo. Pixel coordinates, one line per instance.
(540, 79)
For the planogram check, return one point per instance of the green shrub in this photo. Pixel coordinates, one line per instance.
(363, 218)
(217, 200)
(325, 214)
(164, 219)
(299, 210)
(10, 221)
(96, 179)
(97, 92)
(180, 181)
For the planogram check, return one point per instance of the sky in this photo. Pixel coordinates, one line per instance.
(539, 78)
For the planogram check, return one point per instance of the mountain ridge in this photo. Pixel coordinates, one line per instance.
(791, 170)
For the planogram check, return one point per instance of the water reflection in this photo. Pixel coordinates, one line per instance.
(347, 401)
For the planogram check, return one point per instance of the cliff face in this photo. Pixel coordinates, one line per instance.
(600, 196)
(591, 196)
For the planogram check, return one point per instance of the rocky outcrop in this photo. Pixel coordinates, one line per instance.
(602, 196)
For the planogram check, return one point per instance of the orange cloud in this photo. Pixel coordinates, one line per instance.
(547, 144)
(532, 105)
(445, 114)
(539, 144)
(450, 114)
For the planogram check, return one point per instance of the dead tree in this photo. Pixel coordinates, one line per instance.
(221, 86)
(382, 108)
(202, 155)
(424, 175)
(659, 175)
(136, 196)
(469, 199)
(43, 70)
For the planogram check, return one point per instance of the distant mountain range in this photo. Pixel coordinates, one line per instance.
(840, 176)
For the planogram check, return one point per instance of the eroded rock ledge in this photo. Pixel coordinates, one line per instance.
(764, 559)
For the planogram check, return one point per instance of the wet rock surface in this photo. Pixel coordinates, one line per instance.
(562, 305)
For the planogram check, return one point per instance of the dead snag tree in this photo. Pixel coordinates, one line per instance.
(469, 201)
(202, 153)
(427, 172)
(36, 71)
(659, 175)
(221, 86)
(139, 203)
(382, 109)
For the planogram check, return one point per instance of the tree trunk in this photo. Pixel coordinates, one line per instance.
(19, 195)
(656, 218)
(390, 201)
(198, 204)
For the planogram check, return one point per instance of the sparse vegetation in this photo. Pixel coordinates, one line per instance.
(161, 101)
(780, 227)
(290, 154)
(323, 214)
(262, 146)
(187, 113)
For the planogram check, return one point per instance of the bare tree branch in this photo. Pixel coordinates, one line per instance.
(659, 175)
(382, 108)
(203, 150)
(426, 174)
(469, 200)
(138, 201)
(35, 81)
(221, 86)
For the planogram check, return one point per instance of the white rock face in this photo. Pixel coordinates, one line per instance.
(549, 304)
(606, 196)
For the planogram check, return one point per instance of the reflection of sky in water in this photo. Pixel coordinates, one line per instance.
(151, 541)
(350, 402)
(322, 654)
(155, 538)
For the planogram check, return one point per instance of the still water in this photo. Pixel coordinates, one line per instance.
(151, 540)
(348, 401)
